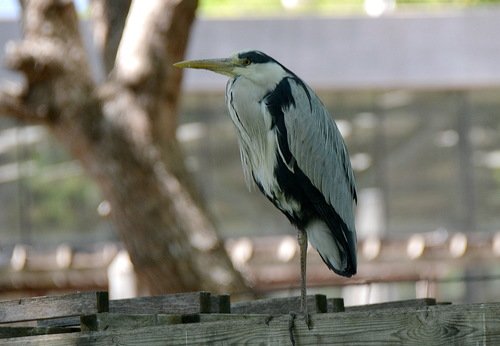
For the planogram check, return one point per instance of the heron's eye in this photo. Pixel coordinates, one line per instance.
(246, 62)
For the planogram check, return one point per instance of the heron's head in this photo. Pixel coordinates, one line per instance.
(254, 65)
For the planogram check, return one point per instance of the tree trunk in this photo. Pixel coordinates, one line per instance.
(123, 131)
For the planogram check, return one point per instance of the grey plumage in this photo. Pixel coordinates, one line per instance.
(320, 151)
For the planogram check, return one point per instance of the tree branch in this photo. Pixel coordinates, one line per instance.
(37, 59)
(53, 59)
(11, 105)
(52, 40)
(153, 39)
(169, 239)
(109, 20)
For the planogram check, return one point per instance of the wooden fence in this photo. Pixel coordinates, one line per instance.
(201, 318)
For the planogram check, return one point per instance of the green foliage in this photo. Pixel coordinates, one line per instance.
(55, 196)
(64, 205)
(231, 7)
(460, 3)
(253, 8)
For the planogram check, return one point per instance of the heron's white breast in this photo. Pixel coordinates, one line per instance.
(253, 123)
(257, 139)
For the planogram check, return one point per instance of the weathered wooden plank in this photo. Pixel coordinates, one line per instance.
(220, 303)
(335, 305)
(432, 325)
(224, 304)
(70, 321)
(111, 321)
(182, 303)
(27, 309)
(315, 304)
(410, 304)
(15, 332)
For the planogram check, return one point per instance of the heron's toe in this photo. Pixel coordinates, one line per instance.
(291, 327)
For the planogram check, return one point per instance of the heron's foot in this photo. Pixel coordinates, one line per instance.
(268, 319)
(307, 319)
(291, 324)
(291, 327)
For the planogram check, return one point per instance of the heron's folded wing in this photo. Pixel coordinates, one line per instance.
(319, 149)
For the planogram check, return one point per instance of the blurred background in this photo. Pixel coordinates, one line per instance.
(415, 89)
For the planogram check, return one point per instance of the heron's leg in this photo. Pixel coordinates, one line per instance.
(302, 238)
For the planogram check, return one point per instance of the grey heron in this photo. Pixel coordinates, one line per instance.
(293, 151)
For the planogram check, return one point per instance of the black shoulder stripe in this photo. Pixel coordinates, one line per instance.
(277, 101)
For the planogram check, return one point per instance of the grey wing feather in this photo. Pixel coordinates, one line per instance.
(319, 149)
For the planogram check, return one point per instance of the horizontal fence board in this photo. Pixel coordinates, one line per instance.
(182, 303)
(16, 332)
(69, 321)
(410, 303)
(27, 309)
(432, 325)
(109, 321)
(315, 303)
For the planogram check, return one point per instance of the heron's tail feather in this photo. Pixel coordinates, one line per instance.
(337, 255)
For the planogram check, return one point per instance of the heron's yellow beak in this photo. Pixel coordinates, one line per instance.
(222, 66)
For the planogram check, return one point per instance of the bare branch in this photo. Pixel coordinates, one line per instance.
(109, 20)
(134, 61)
(37, 59)
(154, 38)
(51, 39)
(53, 59)
(11, 105)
